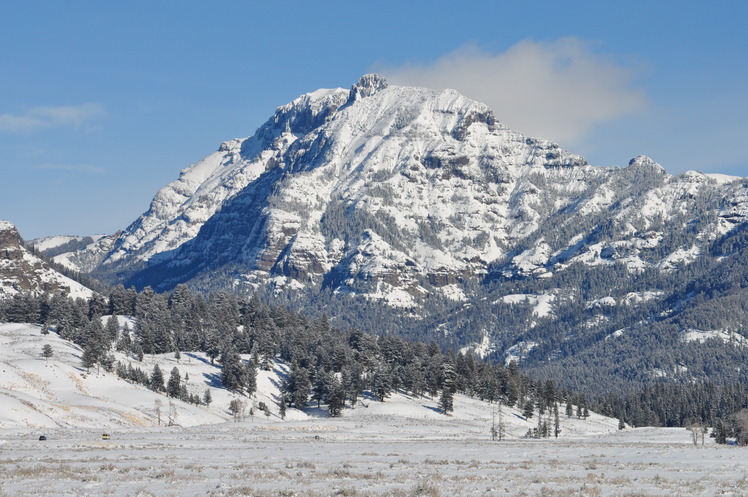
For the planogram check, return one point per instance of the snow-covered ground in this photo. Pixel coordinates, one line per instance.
(403, 446)
(357, 456)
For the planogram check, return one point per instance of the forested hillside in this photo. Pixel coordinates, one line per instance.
(334, 367)
(328, 365)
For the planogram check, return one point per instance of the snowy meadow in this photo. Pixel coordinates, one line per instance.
(404, 446)
(362, 457)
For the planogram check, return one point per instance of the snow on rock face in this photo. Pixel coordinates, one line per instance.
(430, 175)
(542, 304)
(23, 272)
(430, 172)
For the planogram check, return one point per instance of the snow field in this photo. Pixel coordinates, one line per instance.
(401, 447)
(327, 457)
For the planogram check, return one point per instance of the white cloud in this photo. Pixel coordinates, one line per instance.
(556, 90)
(46, 117)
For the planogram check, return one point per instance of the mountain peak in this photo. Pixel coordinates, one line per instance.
(367, 85)
(5, 225)
(21, 271)
(644, 161)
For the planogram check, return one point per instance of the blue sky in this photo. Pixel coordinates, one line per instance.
(103, 103)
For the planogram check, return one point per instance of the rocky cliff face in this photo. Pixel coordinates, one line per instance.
(415, 211)
(23, 272)
(396, 193)
(431, 174)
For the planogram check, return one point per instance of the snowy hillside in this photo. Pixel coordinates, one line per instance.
(403, 446)
(39, 392)
(23, 272)
(79, 253)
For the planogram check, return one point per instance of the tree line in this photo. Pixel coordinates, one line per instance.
(326, 365)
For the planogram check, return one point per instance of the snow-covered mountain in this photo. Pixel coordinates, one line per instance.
(414, 210)
(23, 272)
(397, 193)
(388, 192)
(78, 253)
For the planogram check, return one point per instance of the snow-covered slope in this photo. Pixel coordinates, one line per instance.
(431, 174)
(397, 193)
(413, 210)
(23, 272)
(37, 392)
(79, 253)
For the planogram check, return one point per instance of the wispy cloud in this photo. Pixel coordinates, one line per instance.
(47, 117)
(557, 90)
(75, 168)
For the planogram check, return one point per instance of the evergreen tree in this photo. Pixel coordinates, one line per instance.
(528, 410)
(302, 388)
(91, 355)
(112, 328)
(124, 343)
(720, 432)
(322, 386)
(297, 386)
(353, 383)
(251, 378)
(207, 397)
(336, 398)
(47, 351)
(233, 372)
(174, 385)
(381, 383)
(556, 421)
(157, 379)
(446, 401)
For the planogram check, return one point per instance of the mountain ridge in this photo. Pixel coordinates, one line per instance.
(22, 272)
(414, 211)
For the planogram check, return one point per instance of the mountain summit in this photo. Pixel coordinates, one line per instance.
(416, 211)
(22, 272)
(388, 191)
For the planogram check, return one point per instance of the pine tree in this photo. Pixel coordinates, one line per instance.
(91, 354)
(381, 383)
(125, 342)
(353, 383)
(303, 387)
(446, 400)
(207, 397)
(47, 351)
(112, 328)
(556, 421)
(236, 408)
(250, 382)
(282, 408)
(174, 385)
(233, 372)
(336, 398)
(528, 410)
(298, 386)
(157, 379)
(321, 387)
